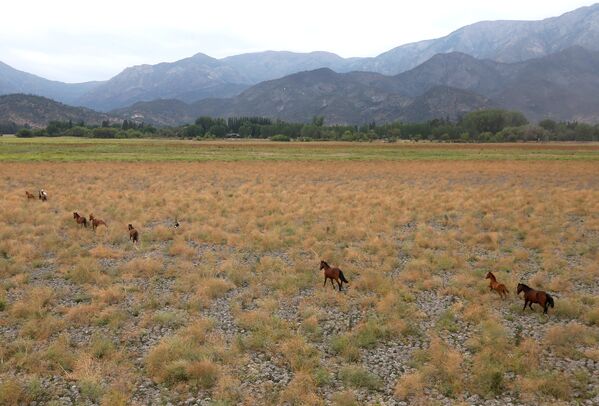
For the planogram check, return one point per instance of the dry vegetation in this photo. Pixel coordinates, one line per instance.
(229, 308)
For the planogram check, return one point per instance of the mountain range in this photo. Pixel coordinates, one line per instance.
(543, 68)
(562, 86)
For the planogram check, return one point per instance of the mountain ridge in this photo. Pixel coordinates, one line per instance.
(563, 86)
(203, 77)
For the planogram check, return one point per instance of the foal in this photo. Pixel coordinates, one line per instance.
(29, 195)
(96, 222)
(496, 286)
(133, 234)
(535, 296)
(82, 221)
(332, 274)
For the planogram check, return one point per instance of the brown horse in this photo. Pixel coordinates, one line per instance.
(82, 221)
(29, 195)
(133, 234)
(96, 222)
(332, 274)
(496, 286)
(535, 296)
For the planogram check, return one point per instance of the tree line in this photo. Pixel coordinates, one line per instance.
(479, 126)
(126, 129)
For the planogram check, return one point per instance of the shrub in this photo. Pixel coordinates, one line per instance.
(104, 132)
(344, 346)
(359, 377)
(280, 138)
(24, 133)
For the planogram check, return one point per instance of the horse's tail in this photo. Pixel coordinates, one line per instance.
(550, 300)
(342, 277)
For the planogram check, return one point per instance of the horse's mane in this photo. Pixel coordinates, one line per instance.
(524, 286)
(325, 262)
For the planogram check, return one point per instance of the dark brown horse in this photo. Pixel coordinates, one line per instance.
(332, 274)
(96, 222)
(496, 286)
(82, 221)
(29, 195)
(535, 296)
(133, 234)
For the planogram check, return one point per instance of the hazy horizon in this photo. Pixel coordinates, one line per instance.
(74, 42)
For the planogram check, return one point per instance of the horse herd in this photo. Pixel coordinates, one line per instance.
(530, 295)
(93, 221)
(335, 274)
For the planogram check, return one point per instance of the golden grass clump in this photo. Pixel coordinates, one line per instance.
(12, 393)
(184, 357)
(439, 367)
(143, 267)
(34, 304)
(210, 289)
(301, 390)
(564, 339)
(410, 385)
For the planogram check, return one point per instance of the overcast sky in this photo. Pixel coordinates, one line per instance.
(83, 40)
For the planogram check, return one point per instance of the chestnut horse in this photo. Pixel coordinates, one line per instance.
(82, 221)
(332, 274)
(96, 222)
(496, 286)
(535, 296)
(29, 195)
(133, 234)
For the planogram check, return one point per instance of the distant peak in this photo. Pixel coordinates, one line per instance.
(201, 55)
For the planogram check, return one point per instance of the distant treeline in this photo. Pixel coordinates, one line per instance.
(478, 126)
(127, 129)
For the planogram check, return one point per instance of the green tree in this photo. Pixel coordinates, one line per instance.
(24, 133)
(193, 131)
(218, 130)
(548, 125)
(492, 121)
(318, 121)
(245, 130)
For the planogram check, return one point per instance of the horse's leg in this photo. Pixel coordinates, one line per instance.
(325, 282)
(525, 303)
(332, 283)
(339, 283)
(530, 305)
